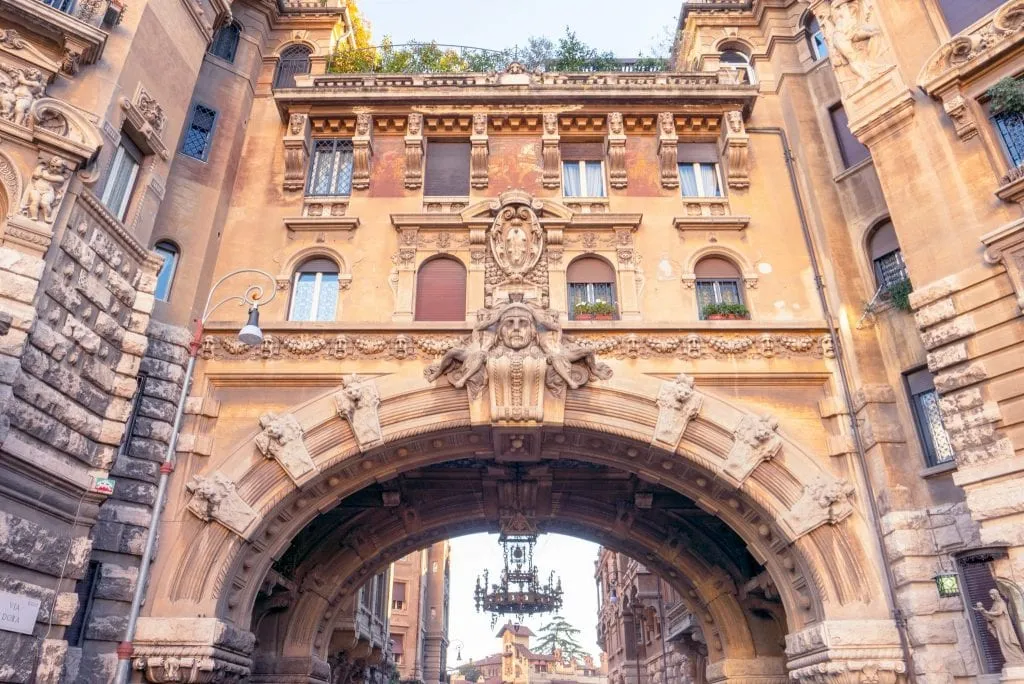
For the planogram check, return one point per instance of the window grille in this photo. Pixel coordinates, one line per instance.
(890, 269)
(937, 446)
(717, 292)
(63, 5)
(294, 60)
(977, 580)
(225, 43)
(196, 142)
(330, 172)
(1011, 131)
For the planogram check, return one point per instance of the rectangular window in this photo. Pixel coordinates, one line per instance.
(199, 132)
(852, 150)
(447, 170)
(330, 171)
(582, 179)
(717, 292)
(890, 269)
(960, 14)
(818, 45)
(315, 297)
(590, 293)
(698, 170)
(398, 596)
(924, 401)
(1010, 127)
(124, 171)
(62, 5)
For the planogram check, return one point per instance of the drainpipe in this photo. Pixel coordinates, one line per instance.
(844, 380)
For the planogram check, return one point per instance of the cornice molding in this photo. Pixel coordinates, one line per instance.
(81, 41)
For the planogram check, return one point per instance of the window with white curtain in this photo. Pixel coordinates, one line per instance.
(315, 291)
(583, 179)
(124, 171)
(699, 179)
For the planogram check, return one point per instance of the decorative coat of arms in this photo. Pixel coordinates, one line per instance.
(516, 240)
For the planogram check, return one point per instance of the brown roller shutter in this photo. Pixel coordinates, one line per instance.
(447, 173)
(884, 240)
(582, 151)
(690, 153)
(398, 591)
(851, 149)
(441, 291)
(920, 381)
(590, 270)
(716, 268)
(976, 575)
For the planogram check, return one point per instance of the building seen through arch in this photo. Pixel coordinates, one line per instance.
(753, 320)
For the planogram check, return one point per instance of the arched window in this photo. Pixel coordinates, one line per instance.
(315, 291)
(719, 288)
(225, 42)
(886, 257)
(815, 37)
(441, 290)
(591, 285)
(294, 60)
(734, 59)
(165, 278)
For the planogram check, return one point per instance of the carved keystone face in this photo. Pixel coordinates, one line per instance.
(516, 330)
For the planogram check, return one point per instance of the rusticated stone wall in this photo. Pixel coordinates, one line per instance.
(70, 360)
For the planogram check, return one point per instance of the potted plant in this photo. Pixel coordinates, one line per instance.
(1007, 96)
(593, 311)
(725, 312)
(899, 294)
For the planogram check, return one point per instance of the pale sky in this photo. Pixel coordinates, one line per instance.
(571, 558)
(625, 28)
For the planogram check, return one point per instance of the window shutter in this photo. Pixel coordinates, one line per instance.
(441, 291)
(399, 643)
(978, 581)
(962, 13)
(851, 149)
(920, 381)
(883, 240)
(590, 270)
(582, 151)
(447, 173)
(690, 153)
(715, 268)
(398, 591)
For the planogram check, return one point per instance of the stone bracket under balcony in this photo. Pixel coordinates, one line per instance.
(709, 214)
(77, 33)
(326, 214)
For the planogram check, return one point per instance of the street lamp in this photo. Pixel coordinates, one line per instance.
(250, 334)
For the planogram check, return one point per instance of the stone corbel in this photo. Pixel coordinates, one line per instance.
(1006, 246)
(826, 500)
(956, 107)
(414, 152)
(678, 403)
(733, 147)
(281, 440)
(146, 117)
(616, 151)
(551, 155)
(191, 650)
(215, 498)
(478, 152)
(668, 150)
(362, 151)
(358, 403)
(756, 440)
(296, 152)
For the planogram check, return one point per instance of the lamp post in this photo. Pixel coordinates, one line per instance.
(249, 334)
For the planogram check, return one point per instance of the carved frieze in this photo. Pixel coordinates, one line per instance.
(358, 403)
(214, 498)
(678, 403)
(414, 152)
(478, 154)
(281, 440)
(755, 441)
(668, 150)
(616, 151)
(19, 88)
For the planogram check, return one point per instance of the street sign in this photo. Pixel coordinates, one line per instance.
(18, 613)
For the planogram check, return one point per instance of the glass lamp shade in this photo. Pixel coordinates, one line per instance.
(948, 584)
(251, 333)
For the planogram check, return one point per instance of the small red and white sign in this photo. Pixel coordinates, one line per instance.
(103, 485)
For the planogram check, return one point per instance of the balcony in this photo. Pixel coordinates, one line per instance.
(713, 6)
(73, 24)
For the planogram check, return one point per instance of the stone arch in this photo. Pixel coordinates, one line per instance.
(745, 267)
(10, 179)
(737, 44)
(313, 48)
(304, 254)
(819, 563)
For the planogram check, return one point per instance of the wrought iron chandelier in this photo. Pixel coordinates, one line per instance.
(519, 591)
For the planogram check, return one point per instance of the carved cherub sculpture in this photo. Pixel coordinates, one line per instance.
(17, 94)
(44, 191)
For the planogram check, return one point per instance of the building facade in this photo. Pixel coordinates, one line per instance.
(419, 613)
(516, 663)
(754, 321)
